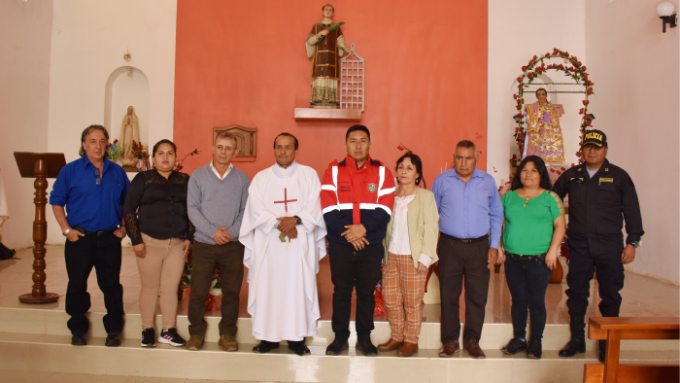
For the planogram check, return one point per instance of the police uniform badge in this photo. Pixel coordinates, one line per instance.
(372, 188)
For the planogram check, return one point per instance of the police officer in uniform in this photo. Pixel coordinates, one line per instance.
(601, 197)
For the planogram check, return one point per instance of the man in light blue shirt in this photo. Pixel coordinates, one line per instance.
(471, 219)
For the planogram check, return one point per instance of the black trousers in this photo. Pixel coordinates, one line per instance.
(459, 260)
(527, 279)
(228, 258)
(609, 277)
(350, 269)
(104, 254)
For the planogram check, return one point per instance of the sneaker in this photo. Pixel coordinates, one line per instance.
(514, 346)
(535, 350)
(171, 337)
(149, 338)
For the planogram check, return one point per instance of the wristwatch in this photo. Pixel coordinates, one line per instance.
(635, 244)
(65, 233)
(298, 221)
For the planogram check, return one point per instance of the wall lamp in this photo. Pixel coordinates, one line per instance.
(666, 11)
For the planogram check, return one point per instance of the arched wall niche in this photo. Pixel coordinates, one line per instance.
(570, 120)
(127, 86)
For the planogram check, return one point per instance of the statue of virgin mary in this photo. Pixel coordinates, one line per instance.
(129, 131)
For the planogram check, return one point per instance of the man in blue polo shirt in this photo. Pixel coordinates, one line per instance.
(93, 190)
(471, 219)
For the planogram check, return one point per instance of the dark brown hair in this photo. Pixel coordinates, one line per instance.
(415, 160)
(161, 142)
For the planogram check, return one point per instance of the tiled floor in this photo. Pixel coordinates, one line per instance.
(642, 296)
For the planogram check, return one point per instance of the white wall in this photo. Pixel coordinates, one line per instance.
(635, 69)
(518, 30)
(25, 28)
(89, 39)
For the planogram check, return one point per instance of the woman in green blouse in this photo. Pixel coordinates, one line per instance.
(533, 231)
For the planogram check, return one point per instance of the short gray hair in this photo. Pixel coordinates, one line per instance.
(467, 144)
(226, 135)
(87, 132)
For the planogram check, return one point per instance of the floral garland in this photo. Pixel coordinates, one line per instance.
(535, 68)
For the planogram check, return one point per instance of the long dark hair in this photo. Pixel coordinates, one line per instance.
(542, 171)
(415, 160)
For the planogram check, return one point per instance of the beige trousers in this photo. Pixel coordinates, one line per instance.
(160, 270)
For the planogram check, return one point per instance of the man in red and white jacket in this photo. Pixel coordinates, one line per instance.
(357, 196)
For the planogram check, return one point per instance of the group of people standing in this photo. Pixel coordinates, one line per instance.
(286, 220)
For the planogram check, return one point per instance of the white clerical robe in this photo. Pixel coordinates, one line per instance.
(282, 294)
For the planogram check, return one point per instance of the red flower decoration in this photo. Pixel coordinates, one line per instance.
(535, 57)
(584, 69)
(520, 135)
(578, 154)
(589, 91)
(552, 170)
(514, 96)
(530, 75)
(519, 107)
(581, 111)
(586, 102)
(400, 147)
(589, 123)
(524, 68)
(519, 79)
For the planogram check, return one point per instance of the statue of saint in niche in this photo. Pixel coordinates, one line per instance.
(129, 131)
(326, 45)
(544, 133)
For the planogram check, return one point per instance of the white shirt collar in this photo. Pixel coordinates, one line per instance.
(214, 169)
(282, 172)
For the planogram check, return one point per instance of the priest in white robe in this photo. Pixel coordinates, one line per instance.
(283, 232)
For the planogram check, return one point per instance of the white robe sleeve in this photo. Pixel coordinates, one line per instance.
(256, 216)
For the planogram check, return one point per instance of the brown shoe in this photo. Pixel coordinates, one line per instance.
(390, 345)
(195, 343)
(472, 348)
(228, 342)
(449, 349)
(407, 349)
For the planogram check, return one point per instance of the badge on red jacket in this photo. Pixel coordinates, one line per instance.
(372, 188)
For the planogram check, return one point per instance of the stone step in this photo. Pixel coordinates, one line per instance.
(494, 337)
(54, 353)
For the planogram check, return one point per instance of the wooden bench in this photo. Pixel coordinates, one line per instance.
(613, 330)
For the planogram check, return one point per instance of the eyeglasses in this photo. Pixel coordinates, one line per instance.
(98, 181)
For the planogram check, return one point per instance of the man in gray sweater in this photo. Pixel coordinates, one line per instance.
(216, 201)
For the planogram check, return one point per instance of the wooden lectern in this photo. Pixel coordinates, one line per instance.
(39, 166)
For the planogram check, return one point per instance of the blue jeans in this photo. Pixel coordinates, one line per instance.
(527, 278)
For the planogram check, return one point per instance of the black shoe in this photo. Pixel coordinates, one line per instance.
(514, 346)
(366, 347)
(78, 340)
(535, 350)
(264, 347)
(149, 338)
(573, 347)
(112, 340)
(337, 347)
(603, 350)
(298, 347)
(171, 337)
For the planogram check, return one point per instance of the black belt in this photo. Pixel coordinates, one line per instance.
(464, 240)
(97, 233)
(526, 258)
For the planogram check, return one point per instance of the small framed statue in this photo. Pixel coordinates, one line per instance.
(246, 140)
